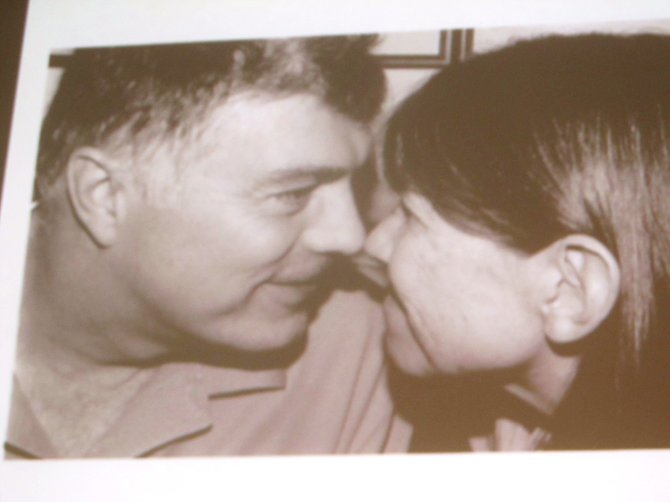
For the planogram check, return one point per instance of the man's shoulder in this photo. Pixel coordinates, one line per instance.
(344, 340)
(354, 303)
(349, 318)
(345, 371)
(26, 438)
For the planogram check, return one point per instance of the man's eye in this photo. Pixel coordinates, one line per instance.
(296, 199)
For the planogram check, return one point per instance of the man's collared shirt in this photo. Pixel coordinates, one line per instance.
(333, 399)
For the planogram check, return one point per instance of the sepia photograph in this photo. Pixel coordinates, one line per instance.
(391, 248)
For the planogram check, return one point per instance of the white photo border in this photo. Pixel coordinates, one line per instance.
(53, 24)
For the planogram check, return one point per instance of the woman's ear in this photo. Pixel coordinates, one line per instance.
(583, 287)
(97, 194)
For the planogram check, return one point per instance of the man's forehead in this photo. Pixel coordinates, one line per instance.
(253, 104)
(286, 123)
(249, 109)
(258, 140)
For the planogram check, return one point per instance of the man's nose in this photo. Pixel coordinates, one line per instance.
(381, 241)
(335, 225)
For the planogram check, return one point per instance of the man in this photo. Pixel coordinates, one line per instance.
(190, 200)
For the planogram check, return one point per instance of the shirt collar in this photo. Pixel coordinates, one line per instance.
(171, 405)
(25, 436)
(529, 398)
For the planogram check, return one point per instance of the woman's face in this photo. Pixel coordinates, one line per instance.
(460, 303)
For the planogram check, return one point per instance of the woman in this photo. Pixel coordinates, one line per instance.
(533, 238)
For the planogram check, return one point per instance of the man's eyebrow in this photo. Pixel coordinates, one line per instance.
(320, 174)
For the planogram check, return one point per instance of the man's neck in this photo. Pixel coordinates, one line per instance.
(75, 393)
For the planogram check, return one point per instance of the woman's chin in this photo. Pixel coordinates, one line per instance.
(401, 344)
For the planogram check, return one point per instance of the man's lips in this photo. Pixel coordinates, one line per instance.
(298, 281)
(294, 289)
(306, 274)
(291, 293)
(296, 286)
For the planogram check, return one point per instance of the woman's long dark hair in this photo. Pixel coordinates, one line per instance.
(556, 136)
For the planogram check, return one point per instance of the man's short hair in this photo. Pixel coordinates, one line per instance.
(138, 97)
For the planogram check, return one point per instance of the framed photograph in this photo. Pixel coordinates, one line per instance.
(424, 49)
(315, 384)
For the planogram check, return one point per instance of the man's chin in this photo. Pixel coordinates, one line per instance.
(251, 344)
(265, 335)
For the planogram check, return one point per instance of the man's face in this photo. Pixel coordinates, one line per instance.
(263, 205)
(462, 303)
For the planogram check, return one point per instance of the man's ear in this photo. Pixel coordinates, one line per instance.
(97, 193)
(584, 287)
